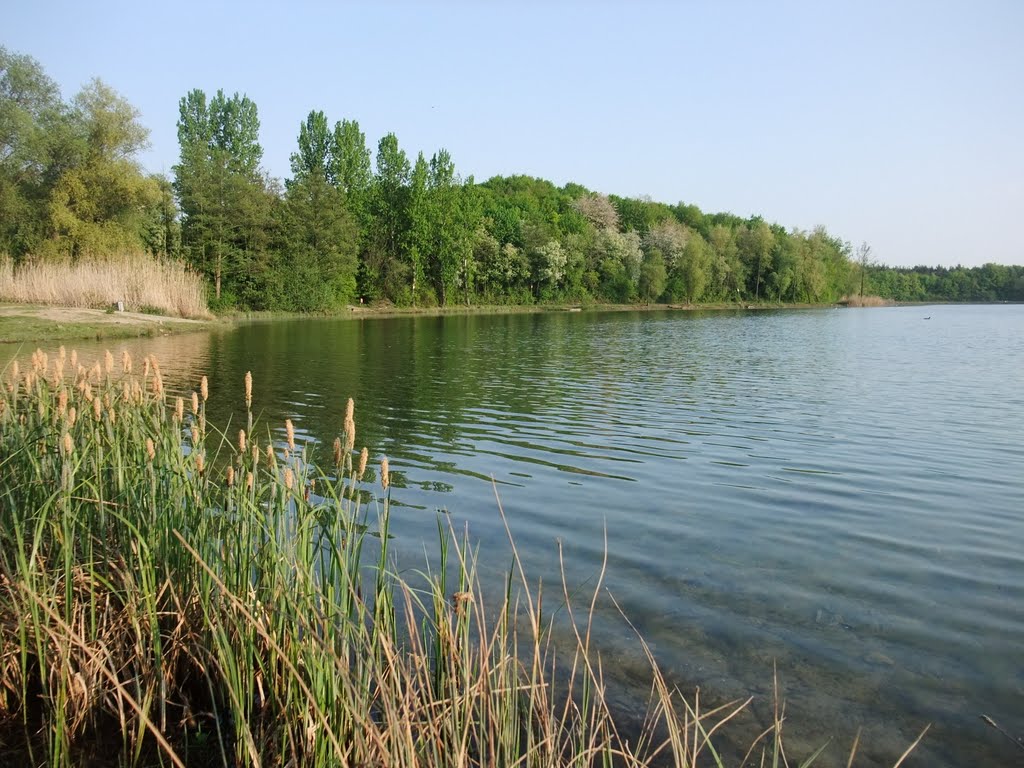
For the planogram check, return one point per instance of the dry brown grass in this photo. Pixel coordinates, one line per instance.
(143, 283)
(865, 301)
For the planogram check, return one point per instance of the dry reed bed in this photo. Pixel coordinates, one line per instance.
(865, 301)
(172, 596)
(141, 282)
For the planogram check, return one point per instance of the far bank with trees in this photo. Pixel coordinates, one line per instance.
(353, 224)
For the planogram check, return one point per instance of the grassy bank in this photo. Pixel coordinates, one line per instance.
(171, 595)
(33, 322)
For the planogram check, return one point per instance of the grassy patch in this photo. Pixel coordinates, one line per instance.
(20, 323)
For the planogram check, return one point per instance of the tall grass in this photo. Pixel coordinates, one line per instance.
(864, 301)
(173, 596)
(142, 282)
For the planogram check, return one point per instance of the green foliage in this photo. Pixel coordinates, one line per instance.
(316, 256)
(653, 276)
(341, 228)
(989, 282)
(225, 203)
(314, 155)
(69, 181)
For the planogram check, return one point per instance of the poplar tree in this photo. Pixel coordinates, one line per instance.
(223, 198)
(418, 235)
(384, 269)
(317, 252)
(313, 157)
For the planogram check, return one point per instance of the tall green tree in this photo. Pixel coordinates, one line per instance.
(224, 200)
(385, 272)
(756, 243)
(418, 235)
(448, 235)
(313, 157)
(694, 267)
(350, 167)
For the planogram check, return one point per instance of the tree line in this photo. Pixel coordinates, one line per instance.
(987, 283)
(353, 225)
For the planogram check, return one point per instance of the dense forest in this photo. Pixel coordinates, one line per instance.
(353, 225)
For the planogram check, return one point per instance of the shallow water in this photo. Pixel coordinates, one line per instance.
(834, 494)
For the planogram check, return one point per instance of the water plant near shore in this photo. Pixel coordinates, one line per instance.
(171, 596)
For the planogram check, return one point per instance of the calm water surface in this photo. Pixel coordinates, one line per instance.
(837, 493)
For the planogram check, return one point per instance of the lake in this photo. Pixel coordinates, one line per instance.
(836, 495)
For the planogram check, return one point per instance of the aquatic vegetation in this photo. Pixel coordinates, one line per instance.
(171, 596)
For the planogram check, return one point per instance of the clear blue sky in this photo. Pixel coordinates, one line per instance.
(896, 123)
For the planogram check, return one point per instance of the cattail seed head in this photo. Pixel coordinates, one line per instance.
(249, 480)
(289, 429)
(97, 409)
(179, 410)
(74, 358)
(350, 409)
(364, 456)
(96, 372)
(200, 463)
(195, 403)
(204, 388)
(230, 479)
(158, 384)
(248, 389)
(112, 415)
(145, 367)
(126, 362)
(241, 441)
(72, 416)
(255, 455)
(67, 445)
(150, 450)
(385, 473)
(62, 401)
(195, 435)
(337, 452)
(350, 434)
(108, 362)
(271, 458)
(289, 478)
(61, 352)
